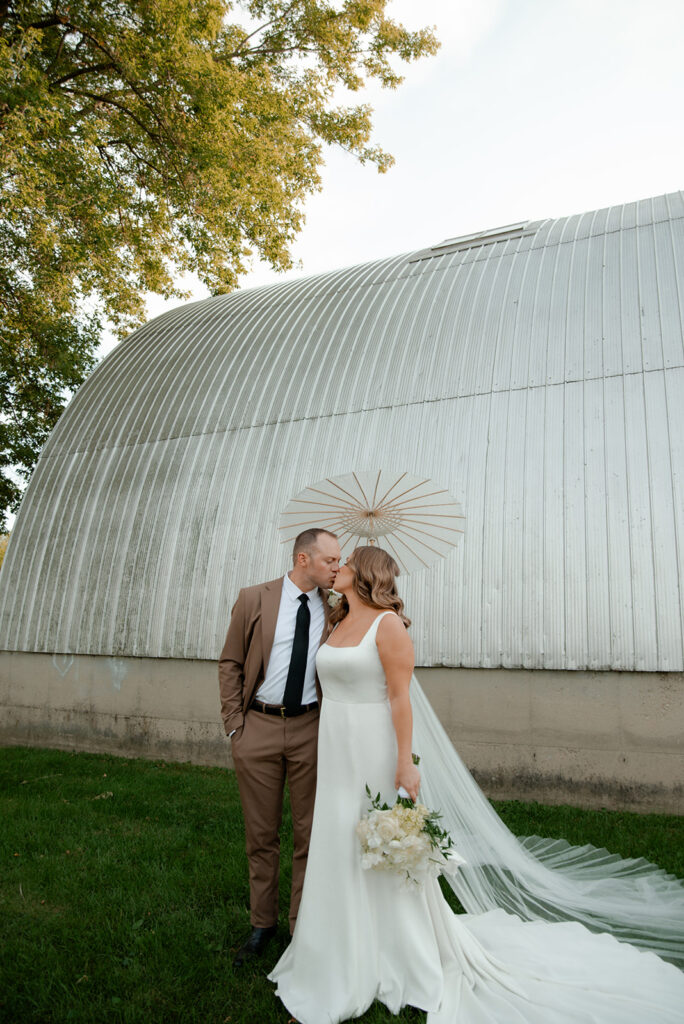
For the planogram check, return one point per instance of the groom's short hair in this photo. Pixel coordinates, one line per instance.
(306, 540)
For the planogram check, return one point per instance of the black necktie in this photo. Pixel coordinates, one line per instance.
(294, 687)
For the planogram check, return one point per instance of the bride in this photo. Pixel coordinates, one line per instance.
(361, 936)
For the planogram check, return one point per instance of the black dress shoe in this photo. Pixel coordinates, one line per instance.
(255, 945)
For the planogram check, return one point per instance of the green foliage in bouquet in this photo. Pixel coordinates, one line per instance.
(439, 838)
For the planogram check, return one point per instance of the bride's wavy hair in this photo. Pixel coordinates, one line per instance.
(375, 572)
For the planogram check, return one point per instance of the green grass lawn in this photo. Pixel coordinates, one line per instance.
(124, 894)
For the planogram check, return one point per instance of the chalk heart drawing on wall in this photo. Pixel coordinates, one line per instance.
(62, 662)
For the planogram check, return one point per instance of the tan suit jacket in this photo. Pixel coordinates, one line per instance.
(244, 659)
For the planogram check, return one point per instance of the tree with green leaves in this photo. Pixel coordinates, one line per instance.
(144, 139)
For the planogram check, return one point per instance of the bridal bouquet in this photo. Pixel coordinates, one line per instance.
(405, 839)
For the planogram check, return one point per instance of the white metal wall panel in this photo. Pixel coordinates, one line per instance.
(668, 598)
(576, 315)
(618, 527)
(674, 393)
(513, 538)
(520, 365)
(540, 378)
(674, 205)
(611, 299)
(443, 371)
(538, 331)
(534, 584)
(512, 269)
(651, 336)
(553, 566)
(493, 531)
(629, 323)
(641, 531)
(555, 339)
(574, 546)
(669, 256)
(475, 433)
(598, 619)
(630, 215)
(593, 309)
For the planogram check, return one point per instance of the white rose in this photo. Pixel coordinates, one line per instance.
(386, 829)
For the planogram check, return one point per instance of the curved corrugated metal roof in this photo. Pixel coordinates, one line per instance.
(538, 375)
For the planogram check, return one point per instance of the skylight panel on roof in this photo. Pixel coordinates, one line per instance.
(506, 233)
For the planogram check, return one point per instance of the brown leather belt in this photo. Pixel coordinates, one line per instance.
(280, 710)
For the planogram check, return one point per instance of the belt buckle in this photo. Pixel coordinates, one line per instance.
(282, 711)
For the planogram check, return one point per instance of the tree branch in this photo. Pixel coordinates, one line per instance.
(264, 50)
(82, 71)
(262, 28)
(113, 103)
(62, 40)
(49, 22)
(116, 64)
(134, 153)
(112, 60)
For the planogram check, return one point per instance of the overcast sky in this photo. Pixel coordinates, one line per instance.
(531, 109)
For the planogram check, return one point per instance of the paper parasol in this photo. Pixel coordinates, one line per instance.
(413, 518)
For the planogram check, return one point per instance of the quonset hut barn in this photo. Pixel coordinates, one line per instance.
(536, 371)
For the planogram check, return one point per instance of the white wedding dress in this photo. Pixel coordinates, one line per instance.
(361, 936)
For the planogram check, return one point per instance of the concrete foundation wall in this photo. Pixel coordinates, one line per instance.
(589, 739)
(592, 739)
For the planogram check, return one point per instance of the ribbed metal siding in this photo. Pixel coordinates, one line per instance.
(541, 379)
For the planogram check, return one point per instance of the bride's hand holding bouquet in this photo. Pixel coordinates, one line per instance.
(408, 778)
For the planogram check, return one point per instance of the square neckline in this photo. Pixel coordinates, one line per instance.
(344, 647)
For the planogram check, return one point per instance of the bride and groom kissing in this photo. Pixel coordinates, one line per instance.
(322, 697)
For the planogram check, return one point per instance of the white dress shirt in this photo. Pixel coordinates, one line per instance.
(272, 690)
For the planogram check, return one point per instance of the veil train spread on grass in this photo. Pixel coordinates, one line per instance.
(537, 878)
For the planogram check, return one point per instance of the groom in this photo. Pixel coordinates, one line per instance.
(270, 706)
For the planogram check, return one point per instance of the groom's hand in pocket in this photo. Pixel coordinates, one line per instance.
(236, 734)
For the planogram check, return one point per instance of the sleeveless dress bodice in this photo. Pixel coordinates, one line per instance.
(353, 675)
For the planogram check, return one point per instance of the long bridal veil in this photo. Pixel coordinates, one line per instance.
(538, 878)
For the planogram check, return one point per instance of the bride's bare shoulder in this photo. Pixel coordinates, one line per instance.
(394, 647)
(389, 615)
(392, 629)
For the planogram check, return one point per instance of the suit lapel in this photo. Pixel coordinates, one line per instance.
(270, 603)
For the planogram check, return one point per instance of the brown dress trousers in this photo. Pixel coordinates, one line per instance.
(266, 750)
